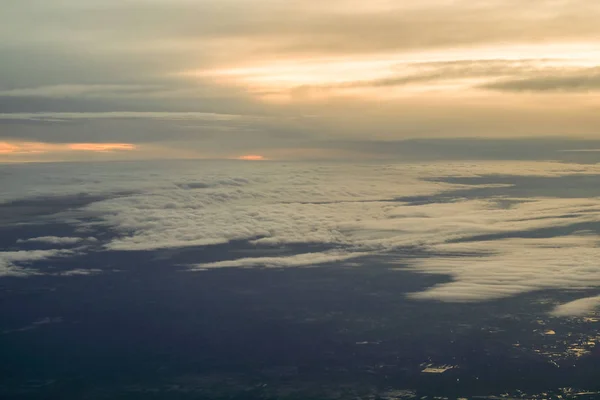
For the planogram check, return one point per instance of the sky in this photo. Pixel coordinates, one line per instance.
(297, 80)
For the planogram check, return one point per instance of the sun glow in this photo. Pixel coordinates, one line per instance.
(252, 157)
(353, 76)
(101, 146)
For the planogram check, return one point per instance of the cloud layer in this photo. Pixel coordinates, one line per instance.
(578, 308)
(489, 234)
(491, 240)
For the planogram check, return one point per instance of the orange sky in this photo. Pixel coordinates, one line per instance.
(251, 157)
(20, 148)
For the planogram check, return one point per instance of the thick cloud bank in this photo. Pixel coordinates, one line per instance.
(507, 267)
(577, 308)
(494, 235)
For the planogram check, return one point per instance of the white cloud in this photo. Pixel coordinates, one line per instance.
(299, 260)
(12, 263)
(352, 208)
(577, 308)
(15, 263)
(298, 203)
(79, 272)
(55, 240)
(501, 268)
(278, 204)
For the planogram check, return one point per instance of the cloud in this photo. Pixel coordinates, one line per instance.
(582, 81)
(26, 148)
(66, 116)
(490, 270)
(491, 246)
(80, 272)
(12, 263)
(299, 27)
(396, 70)
(8, 148)
(336, 204)
(582, 151)
(490, 243)
(578, 308)
(404, 75)
(299, 260)
(100, 146)
(56, 240)
(35, 325)
(78, 90)
(310, 206)
(384, 70)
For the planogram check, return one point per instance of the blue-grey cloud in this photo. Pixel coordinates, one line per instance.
(587, 80)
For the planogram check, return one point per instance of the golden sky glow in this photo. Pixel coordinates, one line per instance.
(219, 78)
(405, 73)
(100, 146)
(16, 148)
